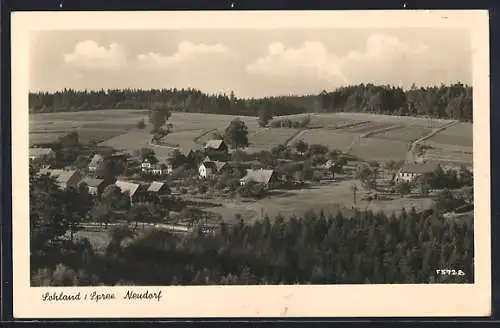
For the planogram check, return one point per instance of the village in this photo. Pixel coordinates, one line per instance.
(195, 187)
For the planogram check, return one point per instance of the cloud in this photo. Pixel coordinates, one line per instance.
(384, 59)
(90, 55)
(186, 51)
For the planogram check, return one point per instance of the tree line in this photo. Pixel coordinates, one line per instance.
(446, 101)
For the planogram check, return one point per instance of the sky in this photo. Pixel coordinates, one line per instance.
(252, 63)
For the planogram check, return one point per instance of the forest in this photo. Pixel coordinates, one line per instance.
(363, 247)
(446, 101)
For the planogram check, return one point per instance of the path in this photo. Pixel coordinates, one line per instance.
(296, 135)
(203, 134)
(411, 156)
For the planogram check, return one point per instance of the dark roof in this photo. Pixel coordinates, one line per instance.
(419, 168)
(215, 166)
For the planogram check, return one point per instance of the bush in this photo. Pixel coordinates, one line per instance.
(464, 208)
(141, 124)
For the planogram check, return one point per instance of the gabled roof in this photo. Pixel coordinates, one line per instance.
(38, 152)
(96, 160)
(260, 176)
(214, 144)
(62, 176)
(208, 159)
(208, 165)
(92, 182)
(156, 186)
(186, 151)
(215, 166)
(220, 165)
(419, 168)
(127, 186)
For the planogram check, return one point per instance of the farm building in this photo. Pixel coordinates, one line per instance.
(42, 155)
(267, 177)
(95, 163)
(409, 172)
(95, 186)
(133, 189)
(155, 169)
(207, 169)
(216, 147)
(158, 188)
(65, 178)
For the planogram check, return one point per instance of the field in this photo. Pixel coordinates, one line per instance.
(452, 146)
(379, 149)
(332, 138)
(403, 133)
(330, 198)
(458, 134)
(91, 125)
(368, 136)
(265, 138)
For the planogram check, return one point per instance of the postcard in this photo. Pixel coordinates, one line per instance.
(251, 164)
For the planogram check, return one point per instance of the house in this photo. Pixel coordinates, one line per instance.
(95, 163)
(206, 169)
(216, 146)
(169, 168)
(157, 170)
(65, 178)
(42, 155)
(95, 186)
(158, 188)
(267, 177)
(133, 189)
(146, 165)
(409, 172)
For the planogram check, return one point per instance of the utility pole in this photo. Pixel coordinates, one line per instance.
(354, 189)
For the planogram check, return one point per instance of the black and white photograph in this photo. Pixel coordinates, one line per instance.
(286, 155)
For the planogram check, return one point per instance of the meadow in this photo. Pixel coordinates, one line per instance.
(458, 134)
(368, 136)
(331, 198)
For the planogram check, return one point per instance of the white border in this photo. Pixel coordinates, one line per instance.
(256, 301)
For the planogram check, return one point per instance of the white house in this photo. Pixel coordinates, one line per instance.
(146, 165)
(206, 169)
(210, 168)
(409, 172)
